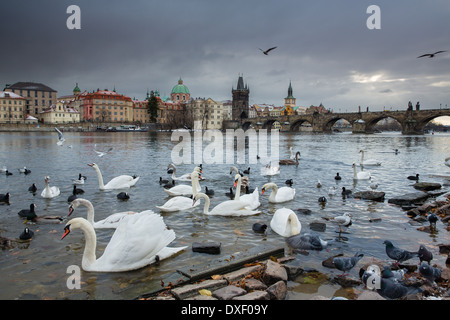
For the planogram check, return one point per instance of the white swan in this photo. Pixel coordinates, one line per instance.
(180, 202)
(139, 240)
(251, 199)
(184, 177)
(278, 195)
(80, 180)
(270, 170)
(244, 179)
(184, 189)
(285, 222)
(49, 192)
(110, 222)
(234, 208)
(361, 175)
(120, 182)
(369, 162)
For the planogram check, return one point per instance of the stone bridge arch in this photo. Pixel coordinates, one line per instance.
(370, 123)
(295, 125)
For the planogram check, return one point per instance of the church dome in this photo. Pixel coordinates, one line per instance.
(76, 89)
(180, 88)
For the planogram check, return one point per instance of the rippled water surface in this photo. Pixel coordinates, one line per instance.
(37, 269)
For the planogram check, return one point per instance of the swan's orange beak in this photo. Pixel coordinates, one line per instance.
(66, 231)
(235, 183)
(71, 210)
(262, 191)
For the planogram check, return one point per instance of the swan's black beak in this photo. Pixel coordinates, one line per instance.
(193, 202)
(66, 231)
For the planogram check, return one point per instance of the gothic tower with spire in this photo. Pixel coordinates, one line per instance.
(240, 100)
(289, 100)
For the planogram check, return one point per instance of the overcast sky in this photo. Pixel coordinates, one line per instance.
(323, 47)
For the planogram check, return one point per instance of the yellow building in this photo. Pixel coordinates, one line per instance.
(59, 113)
(12, 107)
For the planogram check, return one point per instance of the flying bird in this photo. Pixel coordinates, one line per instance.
(61, 138)
(267, 51)
(431, 55)
(102, 153)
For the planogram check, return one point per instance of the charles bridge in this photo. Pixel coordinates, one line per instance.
(411, 121)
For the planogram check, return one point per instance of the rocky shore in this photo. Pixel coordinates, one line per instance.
(266, 273)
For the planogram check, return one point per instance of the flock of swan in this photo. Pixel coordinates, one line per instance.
(142, 238)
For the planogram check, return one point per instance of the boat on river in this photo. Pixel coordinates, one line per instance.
(127, 128)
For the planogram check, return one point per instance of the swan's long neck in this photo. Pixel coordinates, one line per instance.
(237, 195)
(362, 156)
(47, 187)
(100, 178)
(207, 203)
(174, 172)
(273, 195)
(90, 244)
(354, 172)
(90, 210)
(195, 183)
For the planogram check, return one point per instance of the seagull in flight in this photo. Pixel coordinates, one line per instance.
(61, 138)
(100, 153)
(267, 51)
(431, 55)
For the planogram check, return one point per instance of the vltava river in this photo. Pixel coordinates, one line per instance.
(38, 269)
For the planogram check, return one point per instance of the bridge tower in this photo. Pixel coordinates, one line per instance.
(240, 100)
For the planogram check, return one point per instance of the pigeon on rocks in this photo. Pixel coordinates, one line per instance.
(399, 255)
(428, 272)
(307, 241)
(425, 254)
(390, 289)
(347, 263)
(395, 275)
(432, 219)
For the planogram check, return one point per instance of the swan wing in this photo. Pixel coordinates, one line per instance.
(232, 208)
(251, 199)
(123, 181)
(285, 194)
(177, 204)
(112, 221)
(135, 243)
(180, 190)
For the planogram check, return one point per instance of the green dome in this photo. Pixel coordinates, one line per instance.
(76, 89)
(180, 88)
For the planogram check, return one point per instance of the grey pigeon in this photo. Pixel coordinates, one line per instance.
(428, 272)
(424, 254)
(347, 263)
(396, 275)
(307, 242)
(368, 273)
(390, 289)
(399, 255)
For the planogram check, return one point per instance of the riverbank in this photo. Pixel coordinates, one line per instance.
(264, 273)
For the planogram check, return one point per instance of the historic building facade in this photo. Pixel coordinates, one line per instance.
(12, 107)
(37, 95)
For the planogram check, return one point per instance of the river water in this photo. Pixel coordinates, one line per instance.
(38, 269)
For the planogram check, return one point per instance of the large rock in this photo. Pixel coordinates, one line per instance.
(427, 186)
(277, 291)
(228, 292)
(406, 199)
(370, 195)
(273, 273)
(254, 295)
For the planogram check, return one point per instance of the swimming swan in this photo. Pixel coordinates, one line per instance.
(369, 162)
(184, 189)
(361, 175)
(120, 182)
(110, 222)
(234, 208)
(285, 222)
(139, 240)
(49, 192)
(290, 162)
(278, 195)
(251, 199)
(184, 177)
(179, 203)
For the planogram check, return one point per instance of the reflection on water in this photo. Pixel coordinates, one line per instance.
(37, 270)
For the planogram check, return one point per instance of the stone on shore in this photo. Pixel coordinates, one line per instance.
(370, 195)
(228, 292)
(427, 186)
(206, 247)
(273, 273)
(277, 291)
(407, 199)
(254, 295)
(193, 289)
